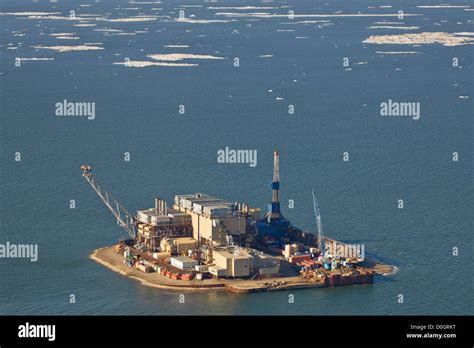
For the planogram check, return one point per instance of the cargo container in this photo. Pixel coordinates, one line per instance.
(187, 276)
(201, 268)
(183, 262)
(186, 204)
(144, 268)
(197, 208)
(218, 271)
(161, 255)
(160, 220)
(299, 258)
(216, 211)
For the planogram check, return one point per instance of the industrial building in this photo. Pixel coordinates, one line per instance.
(183, 262)
(242, 262)
(154, 224)
(237, 263)
(178, 245)
(212, 218)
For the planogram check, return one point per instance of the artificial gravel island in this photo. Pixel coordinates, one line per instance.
(206, 243)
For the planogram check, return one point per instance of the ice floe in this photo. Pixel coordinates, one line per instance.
(397, 52)
(130, 19)
(310, 15)
(446, 39)
(70, 48)
(241, 8)
(442, 6)
(35, 59)
(145, 63)
(201, 21)
(392, 27)
(173, 57)
(29, 13)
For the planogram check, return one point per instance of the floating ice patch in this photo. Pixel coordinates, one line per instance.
(392, 27)
(446, 39)
(129, 19)
(144, 64)
(388, 23)
(464, 33)
(85, 25)
(443, 6)
(29, 13)
(70, 48)
(311, 15)
(181, 56)
(62, 34)
(202, 21)
(177, 46)
(64, 18)
(397, 52)
(311, 22)
(67, 37)
(35, 59)
(242, 8)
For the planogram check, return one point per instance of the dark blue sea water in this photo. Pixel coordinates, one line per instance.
(336, 111)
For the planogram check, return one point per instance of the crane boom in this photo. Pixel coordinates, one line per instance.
(123, 217)
(317, 215)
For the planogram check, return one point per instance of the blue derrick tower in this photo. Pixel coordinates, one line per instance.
(274, 224)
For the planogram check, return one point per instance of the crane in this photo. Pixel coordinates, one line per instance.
(124, 218)
(317, 215)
